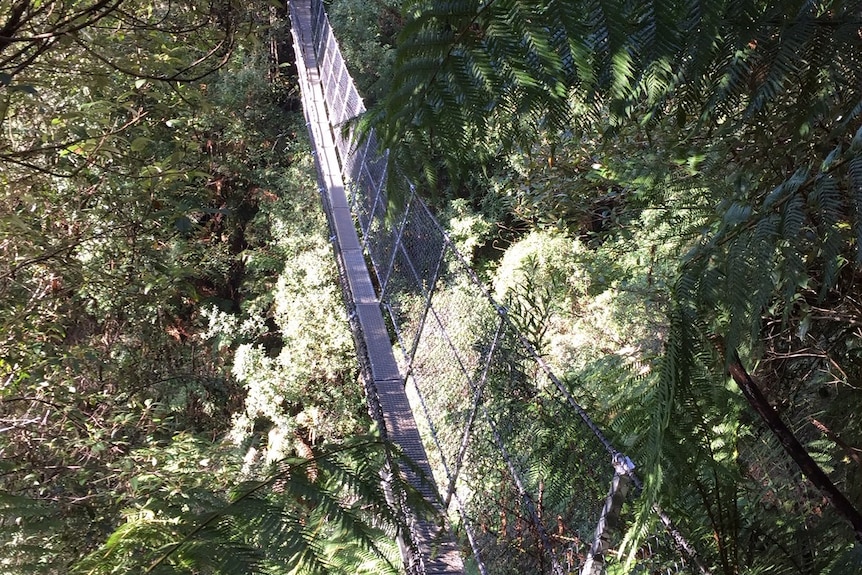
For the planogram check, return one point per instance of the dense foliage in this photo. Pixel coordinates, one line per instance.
(366, 33)
(666, 196)
(676, 188)
(173, 350)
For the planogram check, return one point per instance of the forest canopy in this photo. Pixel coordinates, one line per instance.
(684, 178)
(665, 196)
(178, 386)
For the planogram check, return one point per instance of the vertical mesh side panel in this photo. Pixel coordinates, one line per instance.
(556, 521)
(335, 99)
(353, 103)
(351, 163)
(316, 23)
(450, 359)
(375, 165)
(323, 54)
(364, 205)
(423, 243)
(418, 258)
(406, 300)
(380, 241)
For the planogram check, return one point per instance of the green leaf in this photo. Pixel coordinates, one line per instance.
(140, 143)
(183, 224)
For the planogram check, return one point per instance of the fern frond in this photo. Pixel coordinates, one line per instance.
(293, 518)
(854, 173)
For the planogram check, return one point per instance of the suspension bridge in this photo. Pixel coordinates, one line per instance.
(444, 369)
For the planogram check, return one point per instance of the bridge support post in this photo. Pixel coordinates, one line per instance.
(609, 520)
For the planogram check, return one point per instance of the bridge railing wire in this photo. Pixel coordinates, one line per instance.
(517, 459)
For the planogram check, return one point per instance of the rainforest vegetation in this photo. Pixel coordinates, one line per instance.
(179, 389)
(667, 196)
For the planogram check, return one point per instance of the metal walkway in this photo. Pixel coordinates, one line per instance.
(436, 550)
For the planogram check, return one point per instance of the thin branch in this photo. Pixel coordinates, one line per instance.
(59, 408)
(10, 156)
(228, 41)
(59, 30)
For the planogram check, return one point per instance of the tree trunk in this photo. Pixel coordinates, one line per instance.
(792, 445)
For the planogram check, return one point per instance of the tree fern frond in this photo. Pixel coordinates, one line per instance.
(333, 498)
(793, 269)
(825, 200)
(854, 172)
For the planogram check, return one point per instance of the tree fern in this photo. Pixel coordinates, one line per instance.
(460, 61)
(763, 102)
(854, 189)
(312, 515)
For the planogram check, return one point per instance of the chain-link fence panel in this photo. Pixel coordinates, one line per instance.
(364, 199)
(416, 263)
(449, 364)
(504, 439)
(423, 244)
(351, 165)
(380, 241)
(378, 220)
(563, 472)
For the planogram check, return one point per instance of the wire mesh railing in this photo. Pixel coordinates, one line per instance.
(505, 436)
(522, 469)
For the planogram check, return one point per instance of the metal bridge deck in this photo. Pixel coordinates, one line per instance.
(438, 552)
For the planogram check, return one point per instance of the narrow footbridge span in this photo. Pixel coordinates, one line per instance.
(452, 381)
